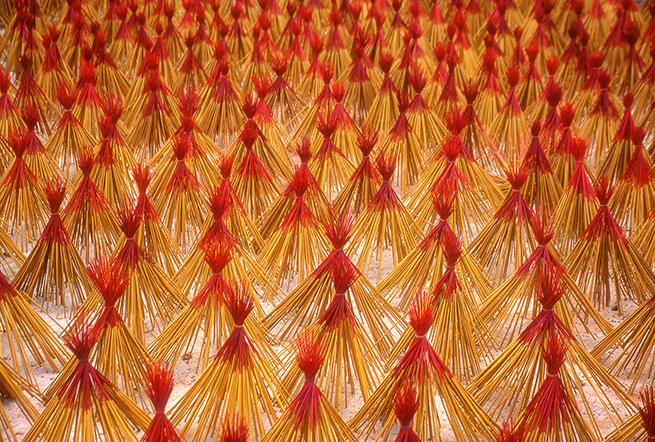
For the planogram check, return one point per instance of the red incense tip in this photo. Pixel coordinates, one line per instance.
(109, 278)
(112, 106)
(535, 129)
(367, 140)
(579, 148)
(235, 431)
(552, 64)
(338, 229)
(129, 220)
(279, 65)
(507, 433)
(80, 337)
(604, 190)
(513, 76)
(85, 161)
(440, 51)
(385, 167)
(386, 61)
(262, 85)
(638, 136)
(55, 191)
(516, 177)
(532, 50)
(67, 96)
(239, 303)
(550, 288)
(417, 78)
(554, 353)
(309, 353)
(217, 255)
(421, 314)
(159, 385)
(405, 404)
(30, 116)
(338, 91)
(628, 100)
(452, 247)
(327, 72)
(470, 91)
(250, 104)
(87, 72)
(225, 166)
(553, 95)
(304, 151)
(343, 276)
(142, 176)
(567, 114)
(443, 202)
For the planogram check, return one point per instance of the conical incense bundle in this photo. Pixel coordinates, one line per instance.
(385, 223)
(365, 181)
(117, 354)
(349, 357)
(456, 320)
(89, 219)
(308, 302)
(421, 366)
(310, 416)
(54, 269)
(159, 387)
(85, 402)
(238, 379)
(619, 272)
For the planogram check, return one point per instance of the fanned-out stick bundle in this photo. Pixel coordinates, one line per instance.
(159, 387)
(347, 352)
(458, 335)
(23, 203)
(117, 354)
(365, 181)
(421, 366)
(89, 219)
(314, 197)
(385, 223)
(455, 171)
(519, 296)
(150, 299)
(205, 321)
(309, 416)
(634, 194)
(54, 267)
(237, 379)
(578, 205)
(299, 243)
(327, 220)
(243, 267)
(506, 240)
(552, 411)
(153, 237)
(618, 273)
(69, 139)
(85, 404)
(497, 387)
(309, 301)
